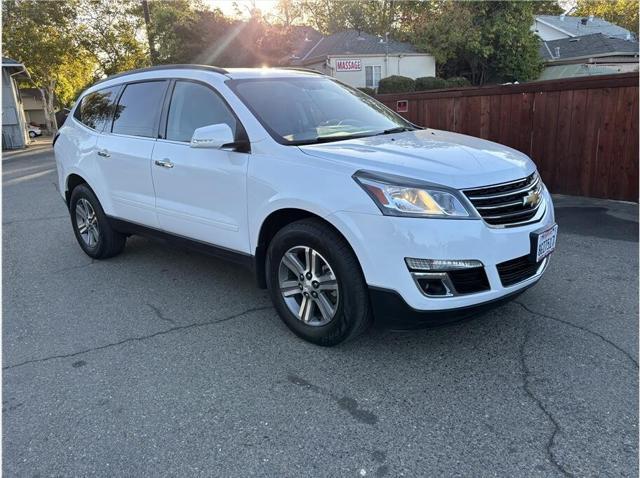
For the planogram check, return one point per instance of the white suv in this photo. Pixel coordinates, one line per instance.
(345, 211)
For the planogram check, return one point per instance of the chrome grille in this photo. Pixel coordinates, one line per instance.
(509, 204)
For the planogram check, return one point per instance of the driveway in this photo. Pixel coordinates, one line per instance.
(164, 362)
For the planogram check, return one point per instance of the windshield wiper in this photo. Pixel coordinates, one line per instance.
(399, 129)
(328, 139)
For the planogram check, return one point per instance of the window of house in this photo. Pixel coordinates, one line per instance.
(193, 106)
(139, 108)
(96, 109)
(372, 76)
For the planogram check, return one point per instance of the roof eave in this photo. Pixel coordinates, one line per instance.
(21, 72)
(557, 61)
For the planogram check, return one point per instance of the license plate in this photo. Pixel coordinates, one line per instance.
(543, 243)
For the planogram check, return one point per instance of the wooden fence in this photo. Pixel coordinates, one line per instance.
(581, 132)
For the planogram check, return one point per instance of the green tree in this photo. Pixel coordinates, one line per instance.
(110, 31)
(187, 32)
(547, 7)
(42, 36)
(171, 28)
(288, 13)
(75, 74)
(482, 41)
(372, 16)
(623, 13)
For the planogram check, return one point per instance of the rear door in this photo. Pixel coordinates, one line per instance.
(200, 193)
(124, 151)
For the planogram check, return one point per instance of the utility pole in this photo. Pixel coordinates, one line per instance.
(147, 21)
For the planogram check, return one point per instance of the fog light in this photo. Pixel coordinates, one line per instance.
(440, 264)
(434, 287)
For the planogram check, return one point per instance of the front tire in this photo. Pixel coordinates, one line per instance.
(91, 227)
(316, 283)
(32, 134)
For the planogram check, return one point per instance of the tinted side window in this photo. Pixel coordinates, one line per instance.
(192, 106)
(139, 109)
(96, 109)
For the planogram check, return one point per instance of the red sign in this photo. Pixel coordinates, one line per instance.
(402, 106)
(348, 65)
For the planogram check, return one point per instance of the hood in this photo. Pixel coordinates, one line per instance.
(441, 157)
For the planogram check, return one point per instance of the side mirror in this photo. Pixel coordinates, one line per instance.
(212, 136)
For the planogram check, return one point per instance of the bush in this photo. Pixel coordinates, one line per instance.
(368, 91)
(458, 81)
(396, 84)
(430, 83)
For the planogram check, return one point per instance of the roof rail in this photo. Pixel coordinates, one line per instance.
(213, 69)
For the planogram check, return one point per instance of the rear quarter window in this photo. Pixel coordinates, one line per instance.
(96, 109)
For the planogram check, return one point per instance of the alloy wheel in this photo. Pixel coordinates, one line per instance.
(308, 285)
(87, 222)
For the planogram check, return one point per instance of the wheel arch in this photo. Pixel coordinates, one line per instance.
(275, 221)
(72, 181)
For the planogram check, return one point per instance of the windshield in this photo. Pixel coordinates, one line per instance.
(311, 110)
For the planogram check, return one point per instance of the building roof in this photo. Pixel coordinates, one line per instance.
(352, 42)
(10, 61)
(580, 26)
(18, 67)
(304, 38)
(587, 46)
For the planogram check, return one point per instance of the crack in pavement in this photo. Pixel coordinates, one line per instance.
(579, 327)
(160, 315)
(141, 338)
(526, 372)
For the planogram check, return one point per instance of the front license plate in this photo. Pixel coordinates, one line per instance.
(543, 243)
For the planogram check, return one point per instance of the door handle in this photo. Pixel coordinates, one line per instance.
(165, 163)
(104, 153)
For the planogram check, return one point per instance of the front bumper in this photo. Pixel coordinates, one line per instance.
(391, 311)
(382, 243)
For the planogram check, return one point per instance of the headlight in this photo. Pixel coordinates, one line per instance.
(398, 197)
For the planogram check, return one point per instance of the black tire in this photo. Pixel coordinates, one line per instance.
(352, 315)
(32, 134)
(110, 242)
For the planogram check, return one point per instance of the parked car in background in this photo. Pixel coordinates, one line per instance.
(345, 211)
(34, 131)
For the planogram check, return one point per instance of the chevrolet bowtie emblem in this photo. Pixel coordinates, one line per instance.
(531, 199)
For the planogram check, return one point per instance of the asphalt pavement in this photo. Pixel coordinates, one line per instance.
(165, 362)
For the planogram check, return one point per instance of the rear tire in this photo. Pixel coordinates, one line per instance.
(91, 226)
(318, 262)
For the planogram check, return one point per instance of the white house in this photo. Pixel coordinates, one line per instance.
(557, 27)
(360, 59)
(35, 106)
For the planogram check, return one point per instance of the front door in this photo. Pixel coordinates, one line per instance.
(200, 193)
